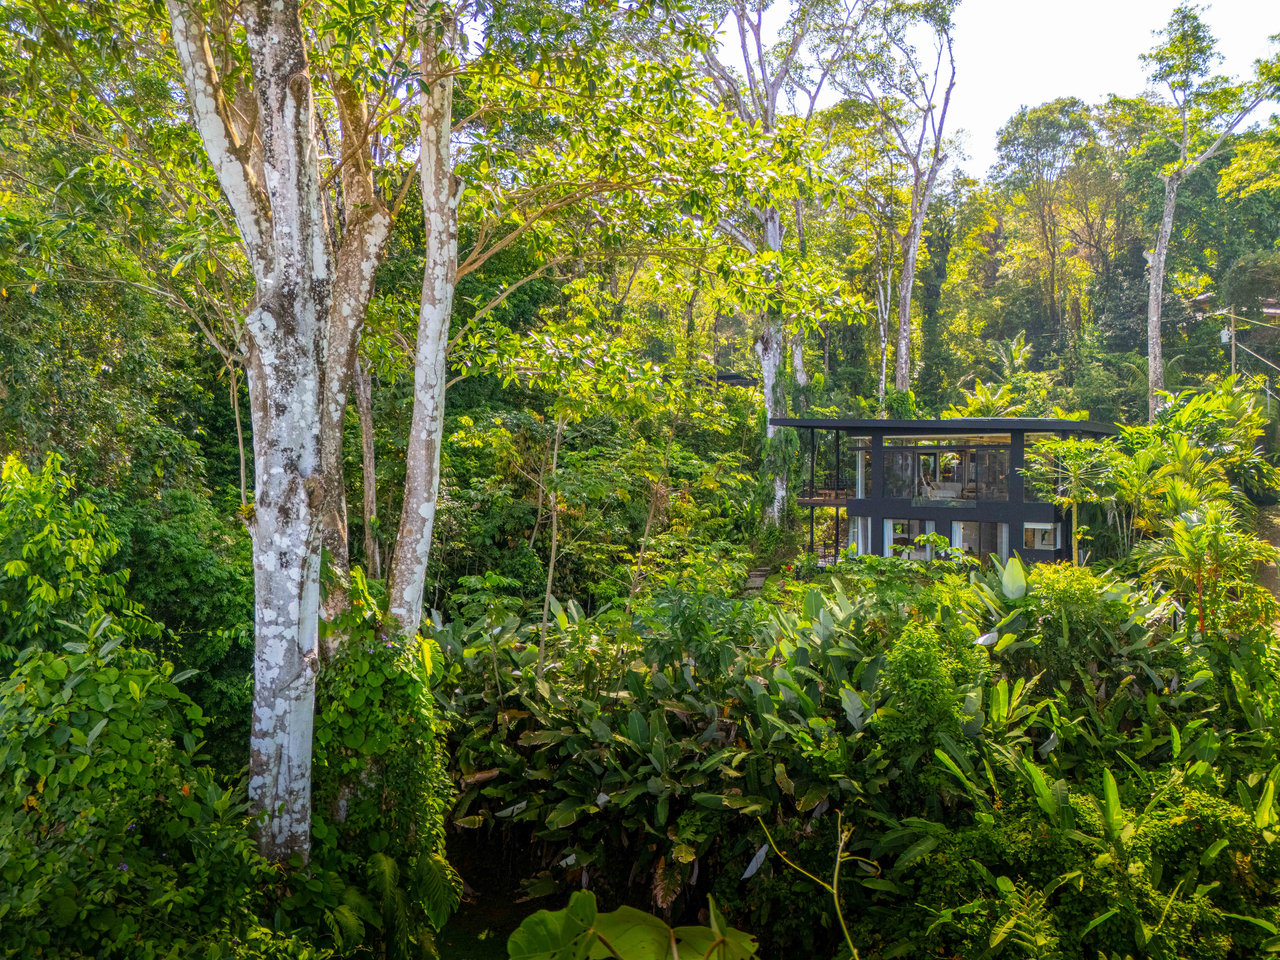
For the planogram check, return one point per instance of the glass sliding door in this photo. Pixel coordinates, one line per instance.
(981, 540)
(899, 474)
(900, 537)
(991, 473)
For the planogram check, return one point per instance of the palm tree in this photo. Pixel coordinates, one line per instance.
(1009, 358)
(1069, 473)
(986, 401)
(1205, 556)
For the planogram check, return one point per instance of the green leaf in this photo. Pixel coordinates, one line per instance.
(63, 910)
(1262, 814)
(782, 780)
(564, 933)
(1256, 921)
(93, 734)
(1098, 921)
(441, 888)
(1014, 580)
(1211, 854)
(914, 852)
(880, 883)
(638, 729)
(632, 933)
(1110, 806)
(353, 738)
(854, 709)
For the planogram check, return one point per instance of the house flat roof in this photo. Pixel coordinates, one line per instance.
(959, 425)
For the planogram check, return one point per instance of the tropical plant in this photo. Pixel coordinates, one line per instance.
(1209, 561)
(56, 548)
(1069, 473)
(580, 930)
(116, 840)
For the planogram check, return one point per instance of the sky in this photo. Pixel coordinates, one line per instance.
(1015, 52)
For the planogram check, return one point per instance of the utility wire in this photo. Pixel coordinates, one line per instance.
(1266, 386)
(1263, 359)
(1229, 316)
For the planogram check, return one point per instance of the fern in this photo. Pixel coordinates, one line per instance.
(356, 901)
(1027, 925)
(440, 888)
(384, 884)
(345, 926)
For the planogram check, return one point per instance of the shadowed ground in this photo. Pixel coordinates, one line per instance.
(1269, 530)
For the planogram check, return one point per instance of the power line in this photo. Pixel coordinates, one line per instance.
(1254, 355)
(1230, 316)
(1258, 323)
(1266, 385)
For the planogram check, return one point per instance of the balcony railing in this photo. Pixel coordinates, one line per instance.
(824, 487)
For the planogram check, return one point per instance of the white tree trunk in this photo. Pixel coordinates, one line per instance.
(357, 262)
(284, 392)
(910, 252)
(1155, 298)
(440, 190)
(555, 545)
(270, 176)
(797, 361)
(769, 348)
(367, 228)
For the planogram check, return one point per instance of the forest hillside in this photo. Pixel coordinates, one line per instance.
(408, 547)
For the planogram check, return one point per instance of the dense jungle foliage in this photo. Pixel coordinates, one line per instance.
(638, 719)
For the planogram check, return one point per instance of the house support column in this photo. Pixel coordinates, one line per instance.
(1017, 459)
(813, 460)
(876, 494)
(837, 488)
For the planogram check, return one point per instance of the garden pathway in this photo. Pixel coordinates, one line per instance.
(755, 580)
(1269, 530)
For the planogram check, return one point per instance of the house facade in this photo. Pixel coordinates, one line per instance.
(882, 483)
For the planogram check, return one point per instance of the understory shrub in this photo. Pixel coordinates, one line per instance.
(1036, 764)
(116, 839)
(55, 552)
(378, 875)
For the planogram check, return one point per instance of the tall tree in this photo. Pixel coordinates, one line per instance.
(758, 82)
(912, 91)
(1035, 149)
(874, 215)
(406, 575)
(1205, 111)
(261, 142)
(753, 88)
(286, 237)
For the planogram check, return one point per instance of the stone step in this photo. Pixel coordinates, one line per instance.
(756, 579)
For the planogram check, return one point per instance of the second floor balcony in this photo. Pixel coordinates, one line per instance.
(923, 463)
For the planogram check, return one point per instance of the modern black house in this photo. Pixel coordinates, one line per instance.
(894, 480)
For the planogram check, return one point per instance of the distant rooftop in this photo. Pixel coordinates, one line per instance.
(958, 425)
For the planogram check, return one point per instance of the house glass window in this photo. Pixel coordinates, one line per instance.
(857, 478)
(1031, 494)
(901, 534)
(981, 540)
(960, 474)
(991, 473)
(1041, 536)
(900, 474)
(860, 535)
